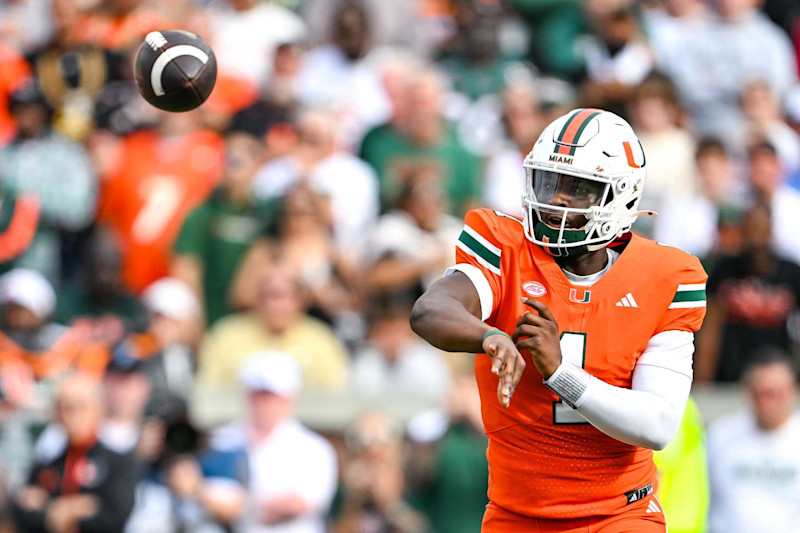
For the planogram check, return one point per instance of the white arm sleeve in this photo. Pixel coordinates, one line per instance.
(650, 412)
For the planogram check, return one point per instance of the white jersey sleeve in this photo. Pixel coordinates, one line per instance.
(650, 412)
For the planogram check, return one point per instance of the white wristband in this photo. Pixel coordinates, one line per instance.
(569, 382)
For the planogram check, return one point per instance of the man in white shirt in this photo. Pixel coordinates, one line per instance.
(711, 59)
(395, 361)
(245, 37)
(338, 75)
(768, 182)
(762, 107)
(347, 182)
(754, 468)
(692, 222)
(293, 471)
(504, 176)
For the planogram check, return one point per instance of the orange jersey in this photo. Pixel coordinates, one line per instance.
(545, 460)
(14, 73)
(116, 32)
(145, 201)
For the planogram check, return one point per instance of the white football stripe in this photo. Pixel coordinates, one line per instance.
(692, 287)
(686, 305)
(631, 300)
(625, 302)
(155, 40)
(168, 55)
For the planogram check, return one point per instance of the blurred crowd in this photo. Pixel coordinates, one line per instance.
(268, 246)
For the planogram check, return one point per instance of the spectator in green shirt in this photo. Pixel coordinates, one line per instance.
(99, 294)
(556, 28)
(422, 135)
(475, 63)
(449, 477)
(218, 234)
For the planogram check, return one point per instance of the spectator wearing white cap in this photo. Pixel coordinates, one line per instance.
(293, 471)
(28, 335)
(167, 349)
(35, 353)
(28, 300)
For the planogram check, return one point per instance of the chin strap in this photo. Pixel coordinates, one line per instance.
(545, 233)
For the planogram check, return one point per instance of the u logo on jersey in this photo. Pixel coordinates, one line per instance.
(580, 295)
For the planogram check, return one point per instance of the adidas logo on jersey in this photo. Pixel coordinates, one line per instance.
(627, 301)
(653, 507)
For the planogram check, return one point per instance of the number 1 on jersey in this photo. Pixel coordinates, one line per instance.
(573, 349)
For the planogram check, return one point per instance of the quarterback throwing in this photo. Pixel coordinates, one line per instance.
(586, 326)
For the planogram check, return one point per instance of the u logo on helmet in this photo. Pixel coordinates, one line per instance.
(629, 155)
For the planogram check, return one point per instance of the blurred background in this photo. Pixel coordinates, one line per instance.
(204, 316)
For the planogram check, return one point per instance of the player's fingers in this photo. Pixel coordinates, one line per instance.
(530, 344)
(540, 308)
(500, 397)
(491, 349)
(524, 318)
(506, 385)
(531, 318)
(527, 330)
(497, 360)
(519, 368)
(507, 375)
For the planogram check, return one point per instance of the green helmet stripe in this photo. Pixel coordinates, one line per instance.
(566, 125)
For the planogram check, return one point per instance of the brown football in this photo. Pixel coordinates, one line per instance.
(175, 70)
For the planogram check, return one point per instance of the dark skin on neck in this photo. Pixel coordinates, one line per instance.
(584, 264)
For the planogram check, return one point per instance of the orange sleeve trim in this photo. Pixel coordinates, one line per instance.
(21, 230)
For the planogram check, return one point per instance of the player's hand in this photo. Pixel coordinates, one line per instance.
(538, 333)
(507, 364)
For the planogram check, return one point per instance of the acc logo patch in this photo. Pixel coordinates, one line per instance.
(534, 288)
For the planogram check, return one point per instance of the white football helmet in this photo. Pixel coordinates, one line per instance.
(590, 163)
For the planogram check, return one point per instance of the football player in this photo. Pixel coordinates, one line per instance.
(587, 326)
